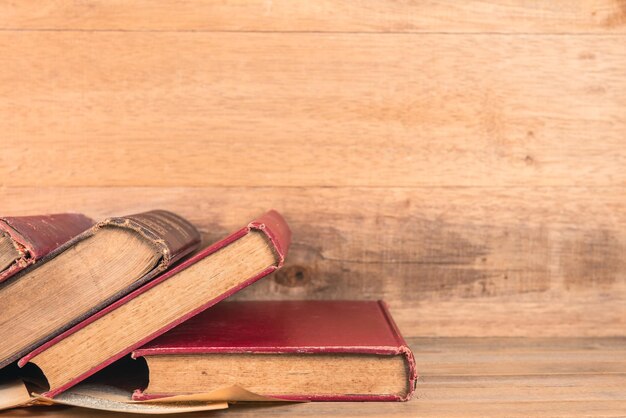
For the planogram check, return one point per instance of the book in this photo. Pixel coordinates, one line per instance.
(294, 350)
(26, 239)
(175, 296)
(85, 274)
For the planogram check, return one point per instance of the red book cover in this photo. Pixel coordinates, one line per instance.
(360, 327)
(271, 224)
(34, 237)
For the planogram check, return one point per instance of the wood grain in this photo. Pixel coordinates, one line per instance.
(310, 109)
(450, 261)
(477, 377)
(440, 409)
(448, 16)
(462, 160)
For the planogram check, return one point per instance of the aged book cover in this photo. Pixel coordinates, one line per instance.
(296, 350)
(87, 273)
(26, 239)
(180, 293)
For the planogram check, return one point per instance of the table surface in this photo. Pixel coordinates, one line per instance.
(460, 377)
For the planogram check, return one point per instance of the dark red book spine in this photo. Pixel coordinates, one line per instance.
(37, 236)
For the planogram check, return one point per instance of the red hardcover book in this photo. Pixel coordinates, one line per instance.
(26, 239)
(297, 350)
(173, 297)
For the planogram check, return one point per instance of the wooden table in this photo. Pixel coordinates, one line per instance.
(478, 377)
(462, 160)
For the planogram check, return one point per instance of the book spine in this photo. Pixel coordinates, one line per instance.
(173, 236)
(403, 348)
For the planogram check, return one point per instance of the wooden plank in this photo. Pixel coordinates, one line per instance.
(449, 261)
(523, 371)
(450, 409)
(414, 408)
(310, 109)
(511, 16)
(442, 392)
(562, 387)
(501, 366)
(608, 347)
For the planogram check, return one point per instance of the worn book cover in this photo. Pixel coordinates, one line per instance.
(26, 239)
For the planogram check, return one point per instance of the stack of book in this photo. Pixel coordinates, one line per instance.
(77, 296)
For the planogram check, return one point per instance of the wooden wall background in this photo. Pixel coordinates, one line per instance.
(465, 161)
